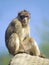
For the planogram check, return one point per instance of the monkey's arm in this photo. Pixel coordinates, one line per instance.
(12, 36)
(14, 27)
(36, 49)
(13, 44)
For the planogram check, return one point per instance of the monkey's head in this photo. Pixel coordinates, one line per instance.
(24, 17)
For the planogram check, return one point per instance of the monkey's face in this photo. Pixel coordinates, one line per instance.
(24, 17)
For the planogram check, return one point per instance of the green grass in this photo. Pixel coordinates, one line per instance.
(4, 59)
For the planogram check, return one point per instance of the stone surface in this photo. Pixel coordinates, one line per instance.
(26, 59)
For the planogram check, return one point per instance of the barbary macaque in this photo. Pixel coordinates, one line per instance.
(17, 36)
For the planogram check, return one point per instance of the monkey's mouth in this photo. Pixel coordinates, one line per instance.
(23, 23)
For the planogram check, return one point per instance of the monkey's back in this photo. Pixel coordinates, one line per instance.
(14, 27)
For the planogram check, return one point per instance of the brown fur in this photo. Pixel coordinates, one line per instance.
(17, 36)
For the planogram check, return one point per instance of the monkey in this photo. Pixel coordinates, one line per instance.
(17, 36)
(17, 31)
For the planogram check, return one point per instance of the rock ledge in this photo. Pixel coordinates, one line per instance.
(26, 59)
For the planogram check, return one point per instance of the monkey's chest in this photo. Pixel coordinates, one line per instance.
(24, 33)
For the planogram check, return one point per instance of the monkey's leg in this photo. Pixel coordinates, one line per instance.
(35, 49)
(30, 46)
(13, 44)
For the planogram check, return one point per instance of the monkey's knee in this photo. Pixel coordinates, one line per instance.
(13, 44)
(32, 45)
(35, 48)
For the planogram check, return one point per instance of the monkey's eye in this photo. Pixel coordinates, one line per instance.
(22, 16)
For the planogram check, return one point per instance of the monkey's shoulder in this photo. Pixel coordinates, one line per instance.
(16, 22)
(14, 26)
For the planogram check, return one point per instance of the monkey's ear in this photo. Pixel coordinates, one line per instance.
(25, 10)
(19, 14)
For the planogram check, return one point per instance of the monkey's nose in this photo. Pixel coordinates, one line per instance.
(25, 20)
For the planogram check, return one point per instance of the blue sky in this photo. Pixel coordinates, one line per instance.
(9, 9)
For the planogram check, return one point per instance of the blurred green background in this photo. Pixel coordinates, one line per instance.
(39, 24)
